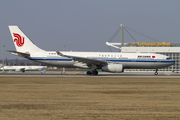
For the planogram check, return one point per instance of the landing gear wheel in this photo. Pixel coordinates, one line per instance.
(89, 73)
(22, 70)
(94, 72)
(156, 73)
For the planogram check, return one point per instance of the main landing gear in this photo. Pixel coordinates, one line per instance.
(93, 72)
(156, 73)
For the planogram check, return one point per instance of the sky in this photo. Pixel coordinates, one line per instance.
(86, 25)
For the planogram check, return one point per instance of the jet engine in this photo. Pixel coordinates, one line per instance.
(20, 70)
(116, 68)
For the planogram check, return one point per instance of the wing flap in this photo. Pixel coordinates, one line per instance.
(88, 61)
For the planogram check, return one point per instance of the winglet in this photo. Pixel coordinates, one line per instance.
(59, 53)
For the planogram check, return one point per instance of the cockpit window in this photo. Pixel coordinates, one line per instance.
(168, 58)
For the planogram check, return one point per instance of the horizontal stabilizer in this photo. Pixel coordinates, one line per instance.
(25, 55)
(60, 54)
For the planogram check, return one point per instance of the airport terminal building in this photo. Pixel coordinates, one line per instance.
(169, 49)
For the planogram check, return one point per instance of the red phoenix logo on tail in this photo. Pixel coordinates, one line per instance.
(19, 39)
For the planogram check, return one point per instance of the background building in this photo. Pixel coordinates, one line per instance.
(169, 49)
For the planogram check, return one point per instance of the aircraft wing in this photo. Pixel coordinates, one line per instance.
(26, 55)
(88, 61)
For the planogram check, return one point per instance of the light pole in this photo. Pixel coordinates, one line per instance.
(64, 46)
(3, 56)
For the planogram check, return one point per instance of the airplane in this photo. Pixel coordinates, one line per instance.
(22, 68)
(114, 62)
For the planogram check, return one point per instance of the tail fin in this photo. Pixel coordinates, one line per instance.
(21, 41)
(1, 65)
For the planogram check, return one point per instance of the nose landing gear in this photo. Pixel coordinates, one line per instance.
(156, 73)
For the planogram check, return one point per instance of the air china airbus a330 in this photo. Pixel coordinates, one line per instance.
(107, 61)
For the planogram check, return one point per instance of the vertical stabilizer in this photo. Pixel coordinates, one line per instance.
(21, 41)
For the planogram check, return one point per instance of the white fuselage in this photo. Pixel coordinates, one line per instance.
(128, 60)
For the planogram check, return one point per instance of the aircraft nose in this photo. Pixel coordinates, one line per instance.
(172, 62)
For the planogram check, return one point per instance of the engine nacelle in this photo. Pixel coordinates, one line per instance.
(17, 70)
(20, 70)
(116, 68)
